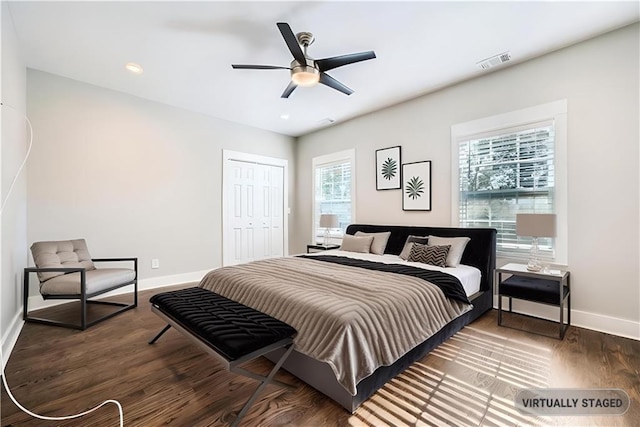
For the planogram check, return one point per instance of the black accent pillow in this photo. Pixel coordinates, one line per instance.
(433, 255)
(409, 243)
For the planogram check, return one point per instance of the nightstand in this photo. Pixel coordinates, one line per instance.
(551, 288)
(319, 248)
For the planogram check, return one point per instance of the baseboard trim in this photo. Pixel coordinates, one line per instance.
(11, 337)
(582, 319)
(175, 279)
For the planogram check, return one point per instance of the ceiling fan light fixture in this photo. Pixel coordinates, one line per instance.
(305, 75)
(306, 71)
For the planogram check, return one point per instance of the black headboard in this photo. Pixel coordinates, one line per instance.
(480, 251)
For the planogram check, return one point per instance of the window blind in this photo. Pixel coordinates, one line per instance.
(333, 194)
(505, 172)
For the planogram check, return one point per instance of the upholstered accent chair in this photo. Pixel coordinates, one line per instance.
(66, 271)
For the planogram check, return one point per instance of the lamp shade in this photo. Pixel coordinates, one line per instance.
(329, 221)
(536, 225)
(305, 76)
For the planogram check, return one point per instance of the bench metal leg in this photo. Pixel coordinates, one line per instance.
(234, 365)
(265, 380)
(154, 339)
(241, 371)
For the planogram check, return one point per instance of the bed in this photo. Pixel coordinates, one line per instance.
(362, 319)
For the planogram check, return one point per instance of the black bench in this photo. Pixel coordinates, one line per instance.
(231, 331)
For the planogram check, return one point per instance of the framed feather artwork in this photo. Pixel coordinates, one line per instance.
(388, 161)
(416, 186)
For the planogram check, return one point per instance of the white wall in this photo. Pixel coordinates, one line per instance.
(13, 148)
(133, 177)
(600, 80)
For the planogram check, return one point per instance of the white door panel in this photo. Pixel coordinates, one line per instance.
(254, 219)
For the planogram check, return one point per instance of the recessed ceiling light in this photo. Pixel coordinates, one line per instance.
(134, 68)
(284, 116)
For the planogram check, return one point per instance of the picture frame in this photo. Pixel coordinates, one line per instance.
(388, 169)
(416, 186)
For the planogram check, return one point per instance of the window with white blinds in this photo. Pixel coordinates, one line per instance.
(509, 163)
(505, 172)
(334, 191)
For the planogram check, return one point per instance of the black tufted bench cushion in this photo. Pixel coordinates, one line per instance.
(232, 329)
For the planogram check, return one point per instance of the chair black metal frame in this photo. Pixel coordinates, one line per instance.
(83, 296)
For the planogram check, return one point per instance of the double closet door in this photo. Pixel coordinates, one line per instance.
(255, 220)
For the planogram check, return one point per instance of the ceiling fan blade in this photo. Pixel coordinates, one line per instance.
(292, 42)
(327, 64)
(327, 80)
(290, 88)
(258, 67)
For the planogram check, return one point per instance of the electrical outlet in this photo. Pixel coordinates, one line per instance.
(155, 263)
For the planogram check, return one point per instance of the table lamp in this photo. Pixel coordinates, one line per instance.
(328, 221)
(535, 225)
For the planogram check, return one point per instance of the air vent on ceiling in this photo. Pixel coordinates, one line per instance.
(501, 58)
(326, 121)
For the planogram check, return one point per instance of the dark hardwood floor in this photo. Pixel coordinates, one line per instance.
(469, 380)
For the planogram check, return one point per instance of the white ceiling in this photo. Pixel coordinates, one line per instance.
(187, 48)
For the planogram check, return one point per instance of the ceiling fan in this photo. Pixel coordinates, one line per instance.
(306, 71)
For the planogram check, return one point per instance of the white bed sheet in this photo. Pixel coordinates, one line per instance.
(469, 276)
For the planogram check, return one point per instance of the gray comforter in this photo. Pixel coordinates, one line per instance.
(355, 320)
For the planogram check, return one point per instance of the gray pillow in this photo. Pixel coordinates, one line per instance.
(457, 247)
(356, 244)
(406, 250)
(379, 241)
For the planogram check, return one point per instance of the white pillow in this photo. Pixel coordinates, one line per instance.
(457, 247)
(356, 244)
(379, 241)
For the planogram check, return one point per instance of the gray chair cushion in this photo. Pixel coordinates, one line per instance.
(65, 253)
(97, 280)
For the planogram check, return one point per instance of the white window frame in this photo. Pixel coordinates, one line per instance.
(555, 111)
(326, 160)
